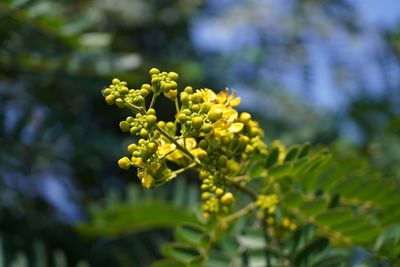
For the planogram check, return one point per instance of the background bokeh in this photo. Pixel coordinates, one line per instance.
(325, 71)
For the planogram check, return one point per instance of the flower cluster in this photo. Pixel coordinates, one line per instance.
(208, 135)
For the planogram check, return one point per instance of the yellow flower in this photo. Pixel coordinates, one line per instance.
(222, 97)
(282, 150)
(267, 202)
(171, 152)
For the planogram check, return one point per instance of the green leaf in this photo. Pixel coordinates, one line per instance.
(304, 151)
(272, 158)
(311, 208)
(181, 252)
(192, 234)
(130, 218)
(334, 216)
(316, 246)
(168, 263)
(292, 153)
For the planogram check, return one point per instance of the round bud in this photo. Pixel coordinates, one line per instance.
(132, 148)
(106, 91)
(204, 187)
(203, 144)
(182, 118)
(170, 125)
(139, 100)
(196, 98)
(207, 127)
(254, 132)
(151, 111)
(203, 175)
(151, 119)
(245, 117)
(134, 130)
(205, 107)
(146, 87)
(115, 81)
(165, 86)
(173, 85)
(197, 122)
(225, 140)
(171, 95)
(243, 140)
(125, 126)
(227, 198)
(124, 163)
(144, 133)
(188, 89)
(154, 71)
(214, 115)
(173, 75)
(184, 97)
(187, 112)
(219, 192)
(152, 147)
(156, 80)
(161, 124)
(110, 99)
(143, 92)
(123, 90)
(195, 108)
(205, 195)
(222, 160)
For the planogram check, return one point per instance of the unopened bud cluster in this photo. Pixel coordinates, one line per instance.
(207, 135)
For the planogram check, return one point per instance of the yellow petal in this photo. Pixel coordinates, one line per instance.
(235, 102)
(147, 180)
(236, 127)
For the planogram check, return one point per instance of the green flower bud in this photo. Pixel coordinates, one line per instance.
(132, 148)
(222, 160)
(146, 87)
(244, 117)
(205, 107)
(204, 187)
(205, 195)
(170, 125)
(187, 112)
(207, 127)
(173, 75)
(144, 133)
(124, 84)
(188, 89)
(197, 122)
(165, 86)
(124, 163)
(143, 92)
(107, 91)
(195, 108)
(173, 85)
(154, 71)
(184, 97)
(196, 98)
(115, 81)
(152, 147)
(151, 119)
(161, 124)
(110, 99)
(156, 79)
(203, 175)
(219, 192)
(171, 94)
(225, 140)
(182, 118)
(254, 132)
(214, 115)
(139, 100)
(120, 103)
(125, 126)
(203, 144)
(134, 130)
(227, 198)
(123, 90)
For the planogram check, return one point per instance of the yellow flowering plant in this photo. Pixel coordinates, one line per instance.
(286, 189)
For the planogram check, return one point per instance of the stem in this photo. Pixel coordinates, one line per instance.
(185, 168)
(239, 213)
(178, 146)
(153, 100)
(177, 105)
(245, 190)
